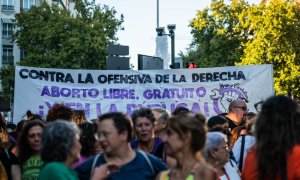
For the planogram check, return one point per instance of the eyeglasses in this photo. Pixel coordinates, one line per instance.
(104, 134)
(224, 147)
(242, 108)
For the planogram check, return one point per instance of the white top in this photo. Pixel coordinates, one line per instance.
(249, 141)
(232, 173)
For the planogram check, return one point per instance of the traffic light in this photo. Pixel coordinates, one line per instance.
(191, 65)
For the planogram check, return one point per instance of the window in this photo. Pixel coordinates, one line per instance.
(8, 4)
(7, 57)
(7, 31)
(28, 3)
(24, 54)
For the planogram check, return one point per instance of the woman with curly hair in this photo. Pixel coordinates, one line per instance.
(28, 149)
(60, 111)
(276, 154)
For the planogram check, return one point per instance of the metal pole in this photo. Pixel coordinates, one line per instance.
(172, 35)
(157, 11)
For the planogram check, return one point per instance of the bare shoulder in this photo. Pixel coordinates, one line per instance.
(205, 171)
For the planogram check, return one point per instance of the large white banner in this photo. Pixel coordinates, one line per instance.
(205, 90)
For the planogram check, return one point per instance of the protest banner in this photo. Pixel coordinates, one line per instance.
(205, 90)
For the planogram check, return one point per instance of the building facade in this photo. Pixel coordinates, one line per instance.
(10, 53)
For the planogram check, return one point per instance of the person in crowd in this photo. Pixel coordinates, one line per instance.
(88, 141)
(79, 117)
(161, 121)
(244, 141)
(218, 123)
(3, 175)
(216, 153)
(119, 160)
(60, 149)
(31, 116)
(28, 149)
(184, 139)
(237, 110)
(59, 111)
(16, 133)
(143, 123)
(181, 110)
(276, 154)
(18, 129)
(7, 158)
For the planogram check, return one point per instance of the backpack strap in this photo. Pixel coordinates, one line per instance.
(148, 161)
(241, 161)
(94, 164)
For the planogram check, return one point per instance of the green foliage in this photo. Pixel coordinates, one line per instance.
(7, 74)
(217, 34)
(56, 38)
(240, 34)
(276, 41)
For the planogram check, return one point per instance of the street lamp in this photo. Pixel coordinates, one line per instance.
(161, 32)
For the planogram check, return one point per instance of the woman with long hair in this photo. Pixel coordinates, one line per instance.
(276, 154)
(28, 149)
(185, 138)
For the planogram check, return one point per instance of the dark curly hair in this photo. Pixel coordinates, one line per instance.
(59, 111)
(87, 138)
(24, 149)
(275, 132)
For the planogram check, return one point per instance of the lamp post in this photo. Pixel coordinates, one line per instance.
(161, 32)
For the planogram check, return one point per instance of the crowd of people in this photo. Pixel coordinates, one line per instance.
(155, 144)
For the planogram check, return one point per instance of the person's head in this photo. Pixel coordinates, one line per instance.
(143, 123)
(161, 119)
(60, 142)
(79, 117)
(31, 116)
(88, 140)
(59, 111)
(276, 130)
(20, 125)
(29, 141)
(216, 150)
(3, 131)
(251, 116)
(238, 109)
(114, 131)
(184, 132)
(181, 110)
(217, 122)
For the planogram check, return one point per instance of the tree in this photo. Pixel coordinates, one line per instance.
(276, 41)
(57, 38)
(7, 80)
(217, 34)
(240, 34)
